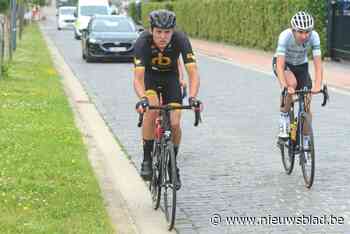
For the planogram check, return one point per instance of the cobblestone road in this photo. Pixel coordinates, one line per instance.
(230, 165)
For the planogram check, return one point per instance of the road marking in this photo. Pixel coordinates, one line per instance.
(231, 62)
(340, 91)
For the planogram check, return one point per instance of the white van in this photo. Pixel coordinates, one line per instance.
(85, 10)
(65, 17)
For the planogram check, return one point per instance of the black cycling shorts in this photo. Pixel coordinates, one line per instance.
(301, 73)
(166, 83)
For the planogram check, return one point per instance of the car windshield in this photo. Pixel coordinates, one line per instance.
(67, 11)
(93, 10)
(112, 26)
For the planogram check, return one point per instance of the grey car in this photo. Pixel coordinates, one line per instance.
(109, 37)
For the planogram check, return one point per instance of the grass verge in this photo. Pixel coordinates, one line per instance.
(46, 182)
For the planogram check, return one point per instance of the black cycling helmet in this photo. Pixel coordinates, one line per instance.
(162, 19)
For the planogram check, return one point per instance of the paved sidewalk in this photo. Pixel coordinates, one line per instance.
(335, 73)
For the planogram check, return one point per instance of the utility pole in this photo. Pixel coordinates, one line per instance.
(21, 19)
(13, 24)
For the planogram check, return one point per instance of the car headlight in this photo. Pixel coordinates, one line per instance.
(93, 40)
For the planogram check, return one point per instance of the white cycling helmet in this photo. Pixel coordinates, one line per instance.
(302, 21)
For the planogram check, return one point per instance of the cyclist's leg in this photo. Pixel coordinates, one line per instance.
(291, 81)
(150, 116)
(148, 129)
(284, 115)
(304, 80)
(172, 95)
(175, 117)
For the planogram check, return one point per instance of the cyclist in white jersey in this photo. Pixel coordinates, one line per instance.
(290, 63)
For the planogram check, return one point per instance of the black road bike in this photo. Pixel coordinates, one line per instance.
(294, 144)
(164, 177)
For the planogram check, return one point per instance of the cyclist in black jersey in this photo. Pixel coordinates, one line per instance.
(157, 62)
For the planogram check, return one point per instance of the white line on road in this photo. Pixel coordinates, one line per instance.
(252, 68)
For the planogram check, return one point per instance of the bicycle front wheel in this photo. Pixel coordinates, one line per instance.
(169, 176)
(307, 154)
(287, 151)
(287, 154)
(155, 185)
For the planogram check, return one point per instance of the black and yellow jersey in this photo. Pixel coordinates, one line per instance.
(152, 59)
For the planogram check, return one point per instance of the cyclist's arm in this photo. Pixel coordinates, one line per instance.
(191, 65)
(139, 84)
(280, 63)
(316, 51)
(140, 61)
(193, 77)
(181, 72)
(281, 59)
(318, 72)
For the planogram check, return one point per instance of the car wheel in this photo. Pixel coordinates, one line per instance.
(76, 36)
(88, 58)
(58, 28)
(83, 54)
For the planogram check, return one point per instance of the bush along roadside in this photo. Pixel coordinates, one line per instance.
(46, 182)
(248, 23)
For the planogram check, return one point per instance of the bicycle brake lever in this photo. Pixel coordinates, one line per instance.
(284, 95)
(325, 95)
(139, 124)
(198, 118)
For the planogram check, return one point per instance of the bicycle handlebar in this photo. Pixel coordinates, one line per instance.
(324, 91)
(197, 120)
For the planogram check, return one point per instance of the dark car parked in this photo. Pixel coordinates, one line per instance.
(109, 37)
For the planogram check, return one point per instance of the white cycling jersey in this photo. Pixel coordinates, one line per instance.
(294, 53)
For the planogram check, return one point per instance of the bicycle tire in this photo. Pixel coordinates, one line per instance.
(155, 184)
(288, 156)
(287, 151)
(169, 188)
(307, 158)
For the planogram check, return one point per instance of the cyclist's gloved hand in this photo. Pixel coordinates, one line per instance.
(291, 90)
(195, 103)
(142, 105)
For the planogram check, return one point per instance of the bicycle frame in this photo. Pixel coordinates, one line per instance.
(163, 125)
(295, 141)
(301, 95)
(300, 115)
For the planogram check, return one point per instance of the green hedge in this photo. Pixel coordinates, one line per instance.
(248, 23)
(148, 7)
(132, 12)
(4, 5)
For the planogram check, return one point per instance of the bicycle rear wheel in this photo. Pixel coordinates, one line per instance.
(169, 175)
(155, 184)
(307, 157)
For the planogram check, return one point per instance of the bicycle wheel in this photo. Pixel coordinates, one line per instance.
(307, 157)
(169, 175)
(287, 151)
(155, 184)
